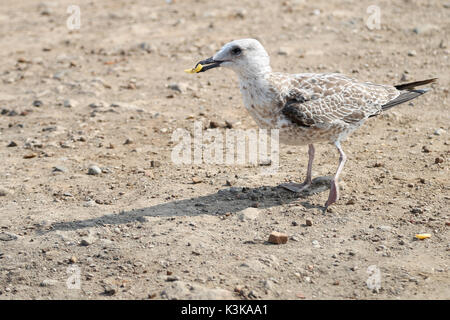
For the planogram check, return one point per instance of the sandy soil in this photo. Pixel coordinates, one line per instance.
(146, 228)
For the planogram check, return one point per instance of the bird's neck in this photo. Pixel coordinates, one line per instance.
(259, 97)
(254, 73)
(255, 87)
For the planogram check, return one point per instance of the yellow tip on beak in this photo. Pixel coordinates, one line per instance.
(197, 69)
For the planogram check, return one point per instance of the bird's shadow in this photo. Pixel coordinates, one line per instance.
(228, 200)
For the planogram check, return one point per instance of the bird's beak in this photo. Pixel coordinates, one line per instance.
(204, 65)
(209, 64)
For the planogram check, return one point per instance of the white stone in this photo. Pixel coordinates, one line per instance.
(248, 214)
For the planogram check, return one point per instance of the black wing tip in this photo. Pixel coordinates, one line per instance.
(405, 96)
(412, 85)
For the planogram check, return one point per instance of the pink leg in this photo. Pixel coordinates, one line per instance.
(298, 187)
(334, 189)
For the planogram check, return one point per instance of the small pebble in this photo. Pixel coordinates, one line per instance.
(94, 170)
(196, 180)
(12, 144)
(278, 238)
(109, 290)
(37, 103)
(86, 242)
(180, 87)
(69, 103)
(89, 203)
(128, 141)
(439, 132)
(8, 236)
(172, 278)
(284, 51)
(146, 47)
(241, 13)
(59, 169)
(248, 214)
(48, 283)
(416, 210)
(30, 155)
(73, 259)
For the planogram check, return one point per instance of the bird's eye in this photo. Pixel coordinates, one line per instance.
(236, 51)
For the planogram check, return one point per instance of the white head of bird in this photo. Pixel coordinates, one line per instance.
(247, 57)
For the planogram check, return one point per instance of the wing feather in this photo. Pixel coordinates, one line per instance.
(324, 99)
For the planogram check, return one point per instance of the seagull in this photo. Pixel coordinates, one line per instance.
(307, 108)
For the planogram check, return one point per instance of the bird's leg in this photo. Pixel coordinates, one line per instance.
(298, 187)
(334, 189)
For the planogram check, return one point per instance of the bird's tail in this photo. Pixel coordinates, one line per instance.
(408, 92)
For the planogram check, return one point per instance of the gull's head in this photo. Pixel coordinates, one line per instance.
(247, 57)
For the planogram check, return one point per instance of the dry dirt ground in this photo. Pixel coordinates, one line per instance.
(111, 93)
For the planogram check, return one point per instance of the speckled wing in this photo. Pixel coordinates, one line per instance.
(324, 99)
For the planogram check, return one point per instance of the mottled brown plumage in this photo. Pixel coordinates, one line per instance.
(307, 108)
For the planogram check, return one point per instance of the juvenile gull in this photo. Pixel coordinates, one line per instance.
(307, 108)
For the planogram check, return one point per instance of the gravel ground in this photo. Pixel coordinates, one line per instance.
(92, 206)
